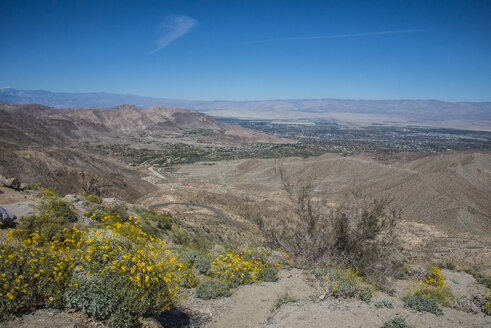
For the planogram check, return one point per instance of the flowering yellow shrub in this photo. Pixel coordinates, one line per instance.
(113, 270)
(435, 286)
(240, 268)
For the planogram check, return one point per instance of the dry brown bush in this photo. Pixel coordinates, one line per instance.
(359, 233)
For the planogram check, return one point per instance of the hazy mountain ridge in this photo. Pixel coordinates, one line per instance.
(370, 111)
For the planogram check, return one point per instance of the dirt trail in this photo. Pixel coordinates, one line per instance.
(214, 209)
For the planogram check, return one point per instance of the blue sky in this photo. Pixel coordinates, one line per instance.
(250, 50)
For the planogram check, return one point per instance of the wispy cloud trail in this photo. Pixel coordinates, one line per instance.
(340, 36)
(174, 27)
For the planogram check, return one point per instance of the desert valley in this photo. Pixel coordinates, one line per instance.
(226, 186)
(245, 164)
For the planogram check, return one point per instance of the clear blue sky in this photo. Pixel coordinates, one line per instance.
(248, 50)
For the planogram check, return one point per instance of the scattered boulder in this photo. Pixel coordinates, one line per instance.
(21, 209)
(7, 219)
(13, 183)
(82, 206)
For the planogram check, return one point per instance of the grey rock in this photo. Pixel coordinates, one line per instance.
(21, 209)
(7, 219)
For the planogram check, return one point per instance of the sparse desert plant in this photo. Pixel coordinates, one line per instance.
(214, 288)
(360, 233)
(422, 303)
(476, 303)
(397, 322)
(118, 211)
(179, 236)
(283, 298)
(93, 198)
(47, 191)
(201, 262)
(384, 303)
(480, 277)
(161, 220)
(447, 264)
(346, 283)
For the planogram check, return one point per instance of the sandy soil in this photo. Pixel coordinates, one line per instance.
(251, 306)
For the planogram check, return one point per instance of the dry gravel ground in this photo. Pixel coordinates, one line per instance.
(251, 306)
(49, 319)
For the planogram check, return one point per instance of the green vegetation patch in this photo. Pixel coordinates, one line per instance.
(282, 299)
(54, 216)
(397, 322)
(212, 289)
(384, 303)
(422, 303)
(346, 283)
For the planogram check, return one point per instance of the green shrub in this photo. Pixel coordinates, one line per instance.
(346, 283)
(422, 303)
(268, 274)
(282, 299)
(93, 198)
(397, 322)
(200, 261)
(118, 211)
(384, 303)
(49, 228)
(56, 207)
(54, 215)
(161, 220)
(47, 191)
(212, 289)
(179, 236)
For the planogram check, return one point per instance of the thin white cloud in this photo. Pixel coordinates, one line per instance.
(340, 36)
(174, 27)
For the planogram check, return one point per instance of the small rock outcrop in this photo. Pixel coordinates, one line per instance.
(13, 183)
(7, 219)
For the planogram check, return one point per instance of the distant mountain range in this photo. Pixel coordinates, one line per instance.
(471, 115)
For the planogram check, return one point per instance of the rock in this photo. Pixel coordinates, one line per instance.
(21, 209)
(7, 219)
(82, 205)
(13, 183)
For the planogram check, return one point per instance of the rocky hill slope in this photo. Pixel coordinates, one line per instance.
(59, 147)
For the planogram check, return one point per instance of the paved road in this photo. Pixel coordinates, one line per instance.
(216, 210)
